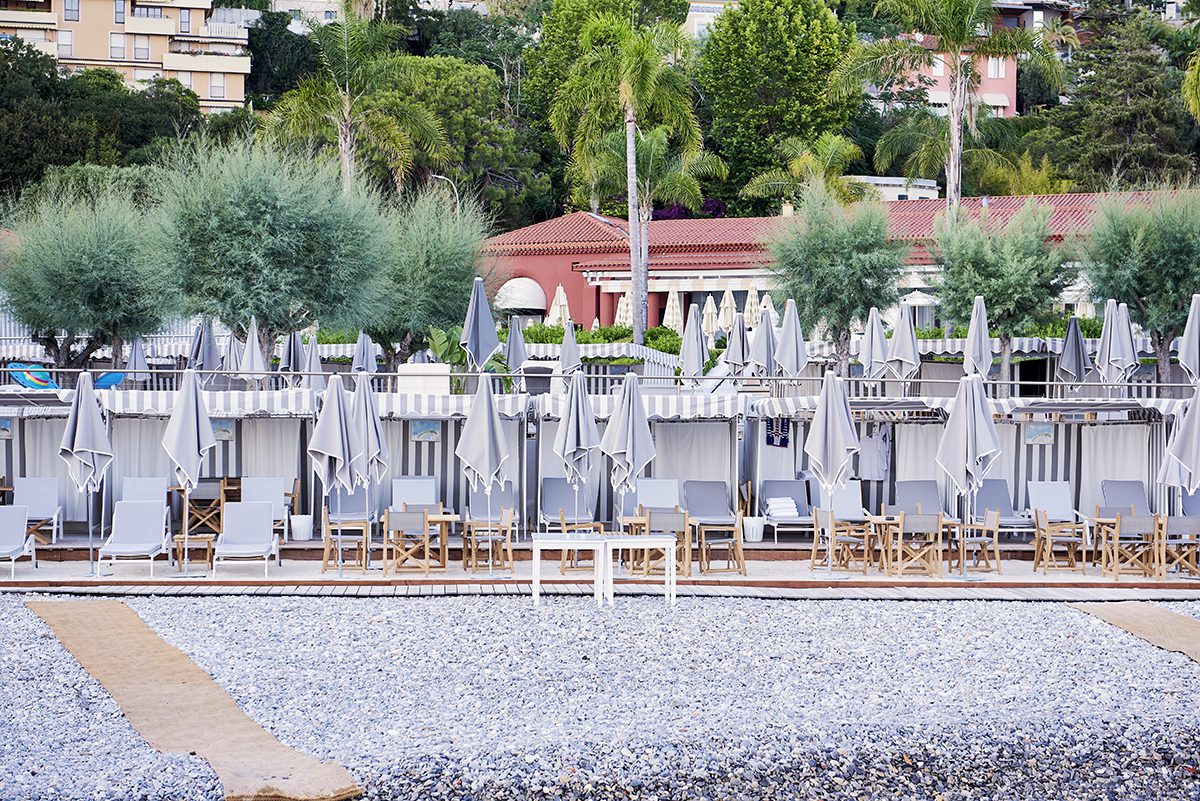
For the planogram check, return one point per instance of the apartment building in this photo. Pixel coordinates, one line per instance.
(141, 39)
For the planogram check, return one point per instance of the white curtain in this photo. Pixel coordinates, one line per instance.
(1119, 452)
(42, 438)
(916, 457)
(699, 451)
(270, 448)
(551, 465)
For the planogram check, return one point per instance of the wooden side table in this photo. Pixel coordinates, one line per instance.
(204, 541)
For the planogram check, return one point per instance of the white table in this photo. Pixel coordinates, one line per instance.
(666, 542)
(559, 541)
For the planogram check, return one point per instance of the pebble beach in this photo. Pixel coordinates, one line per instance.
(489, 698)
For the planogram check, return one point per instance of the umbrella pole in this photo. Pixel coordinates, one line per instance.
(186, 515)
(337, 519)
(91, 552)
(829, 540)
(488, 494)
(968, 517)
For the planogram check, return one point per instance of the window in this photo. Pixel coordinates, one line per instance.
(295, 12)
(216, 85)
(184, 78)
(66, 44)
(29, 35)
(116, 46)
(119, 11)
(141, 48)
(995, 67)
(146, 75)
(150, 12)
(939, 67)
(71, 11)
(1039, 19)
(185, 20)
(330, 15)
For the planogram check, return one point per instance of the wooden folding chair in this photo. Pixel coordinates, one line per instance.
(1134, 546)
(1059, 546)
(851, 542)
(358, 541)
(728, 538)
(917, 546)
(407, 541)
(572, 561)
(484, 537)
(984, 536)
(663, 521)
(1180, 546)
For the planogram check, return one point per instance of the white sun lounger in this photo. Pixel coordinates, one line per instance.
(414, 489)
(1054, 498)
(138, 532)
(846, 503)
(247, 532)
(797, 490)
(40, 497)
(558, 497)
(15, 539)
(147, 489)
(994, 495)
(658, 493)
(275, 492)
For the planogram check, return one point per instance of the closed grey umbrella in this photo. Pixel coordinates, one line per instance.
(86, 449)
(1189, 345)
(1116, 357)
(364, 355)
(693, 350)
(204, 355)
(482, 448)
(336, 448)
(253, 367)
(568, 358)
(627, 440)
(231, 361)
(366, 419)
(314, 373)
(832, 442)
(515, 353)
(737, 347)
(187, 440)
(291, 360)
(763, 347)
(1073, 362)
(1181, 467)
(970, 445)
(903, 358)
(792, 354)
(577, 437)
(977, 356)
(479, 338)
(872, 351)
(137, 368)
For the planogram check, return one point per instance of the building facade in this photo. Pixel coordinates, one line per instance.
(142, 40)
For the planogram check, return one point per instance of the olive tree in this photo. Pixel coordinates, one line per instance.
(836, 262)
(82, 272)
(274, 234)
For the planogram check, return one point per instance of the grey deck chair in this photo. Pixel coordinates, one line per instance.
(797, 490)
(413, 489)
(273, 491)
(247, 532)
(40, 496)
(922, 492)
(146, 488)
(1191, 504)
(138, 532)
(658, 493)
(559, 497)
(15, 539)
(1054, 498)
(709, 503)
(503, 495)
(846, 503)
(1126, 494)
(994, 495)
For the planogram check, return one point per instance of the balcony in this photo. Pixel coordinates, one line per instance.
(19, 18)
(152, 26)
(206, 62)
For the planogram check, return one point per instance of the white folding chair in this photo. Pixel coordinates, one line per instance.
(247, 532)
(138, 532)
(273, 491)
(15, 539)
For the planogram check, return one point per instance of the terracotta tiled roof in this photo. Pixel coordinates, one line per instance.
(908, 220)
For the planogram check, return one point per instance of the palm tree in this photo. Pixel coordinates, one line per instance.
(922, 141)
(1191, 85)
(665, 174)
(625, 75)
(352, 100)
(827, 158)
(959, 34)
(1060, 33)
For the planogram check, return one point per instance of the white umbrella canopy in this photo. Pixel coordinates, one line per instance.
(768, 305)
(763, 348)
(1189, 344)
(577, 437)
(970, 444)
(253, 366)
(903, 358)
(832, 440)
(85, 446)
(872, 351)
(314, 377)
(628, 441)
(479, 339)
(1073, 363)
(137, 368)
(559, 312)
(710, 322)
(693, 349)
(568, 357)
(726, 312)
(977, 355)
(1116, 356)
(624, 313)
(792, 354)
(336, 447)
(673, 312)
(365, 353)
(752, 309)
(1181, 467)
(737, 347)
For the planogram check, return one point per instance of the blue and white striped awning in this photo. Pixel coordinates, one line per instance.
(220, 403)
(661, 408)
(606, 350)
